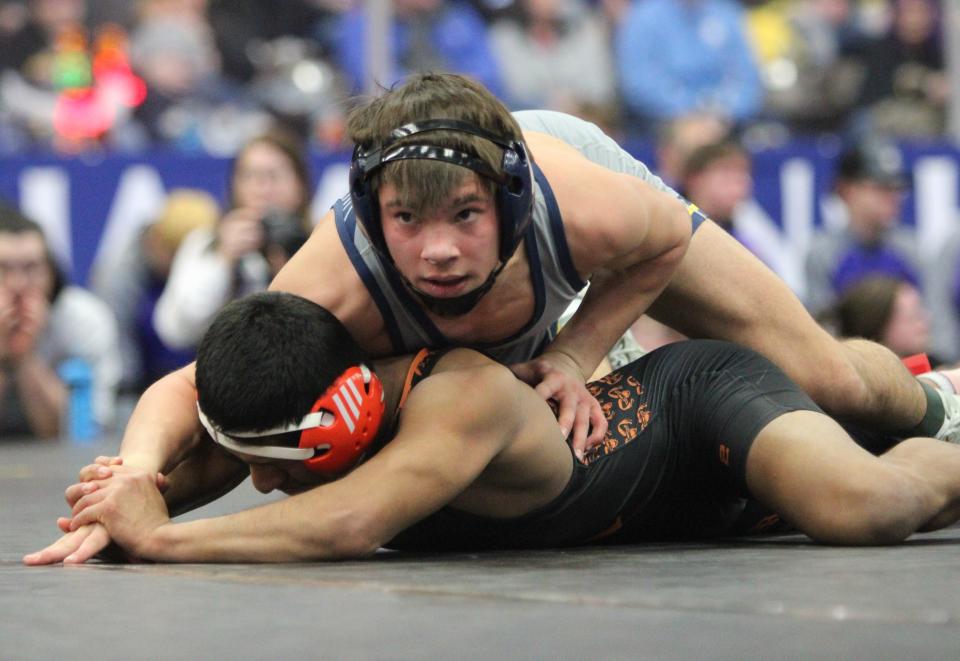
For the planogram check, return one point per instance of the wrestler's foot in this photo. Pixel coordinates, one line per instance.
(947, 383)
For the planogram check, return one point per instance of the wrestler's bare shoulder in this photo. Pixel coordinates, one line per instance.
(322, 272)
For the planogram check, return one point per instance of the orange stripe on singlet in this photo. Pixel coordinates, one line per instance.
(612, 528)
(411, 373)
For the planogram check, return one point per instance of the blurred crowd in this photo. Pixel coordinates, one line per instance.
(269, 82)
(206, 75)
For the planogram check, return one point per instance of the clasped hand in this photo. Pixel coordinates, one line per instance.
(111, 502)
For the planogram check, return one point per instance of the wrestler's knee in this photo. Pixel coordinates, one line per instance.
(831, 378)
(868, 507)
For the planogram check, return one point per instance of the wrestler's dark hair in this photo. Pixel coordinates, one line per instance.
(267, 358)
(14, 222)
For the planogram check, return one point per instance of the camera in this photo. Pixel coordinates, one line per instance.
(283, 230)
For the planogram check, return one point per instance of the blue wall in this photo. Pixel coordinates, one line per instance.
(89, 204)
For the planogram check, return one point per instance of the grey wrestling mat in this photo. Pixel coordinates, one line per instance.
(770, 598)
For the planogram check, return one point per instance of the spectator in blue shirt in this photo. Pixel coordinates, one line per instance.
(426, 35)
(675, 57)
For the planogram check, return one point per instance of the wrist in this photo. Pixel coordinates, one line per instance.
(562, 358)
(158, 545)
(142, 460)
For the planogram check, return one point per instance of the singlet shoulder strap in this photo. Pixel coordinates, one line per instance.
(420, 368)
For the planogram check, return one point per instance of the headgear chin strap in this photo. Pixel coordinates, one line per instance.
(455, 306)
(332, 438)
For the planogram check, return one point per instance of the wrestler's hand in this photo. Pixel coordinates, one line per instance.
(556, 376)
(74, 547)
(128, 505)
(100, 469)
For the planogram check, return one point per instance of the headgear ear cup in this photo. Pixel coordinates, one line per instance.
(514, 182)
(364, 200)
(514, 198)
(356, 407)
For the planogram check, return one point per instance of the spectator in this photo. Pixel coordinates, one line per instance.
(869, 187)
(809, 51)
(132, 287)
(675, 57)
(554, 55)
(716, 177)
(426, 35)
(29, 67)
(13, 16)
(44, 321)
(905, 89)
(240, 26)
(267, 221)
(677, 140)
(680, 137)
(29, 49)
(886, 310)
(189, 105)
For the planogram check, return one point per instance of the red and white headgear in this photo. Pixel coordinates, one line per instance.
(331, 438)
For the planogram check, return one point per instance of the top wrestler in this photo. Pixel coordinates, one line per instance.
(468, 226)
(450, 451)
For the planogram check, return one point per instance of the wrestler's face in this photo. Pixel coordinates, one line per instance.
(290, 477)
(447, 251)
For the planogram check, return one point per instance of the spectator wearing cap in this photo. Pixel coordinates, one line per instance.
(132, 285)
(870, 240)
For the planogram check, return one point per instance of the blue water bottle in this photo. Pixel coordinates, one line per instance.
(80, 424)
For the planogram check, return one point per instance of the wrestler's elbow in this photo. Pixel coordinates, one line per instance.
(352, 536)
(680, 228)
(656, 270)
(665, 238)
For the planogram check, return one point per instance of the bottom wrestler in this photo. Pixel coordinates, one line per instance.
(450, 451)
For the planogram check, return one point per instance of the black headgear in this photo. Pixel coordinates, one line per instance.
(514, 180)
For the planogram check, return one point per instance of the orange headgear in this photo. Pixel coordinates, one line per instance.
(332, 438)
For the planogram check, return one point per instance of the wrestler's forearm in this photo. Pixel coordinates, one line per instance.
(205, 475)
(271, 533)
(614, 301)
(164, 426)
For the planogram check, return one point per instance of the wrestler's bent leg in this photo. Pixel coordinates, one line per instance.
(721, 290)
(805, 467)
